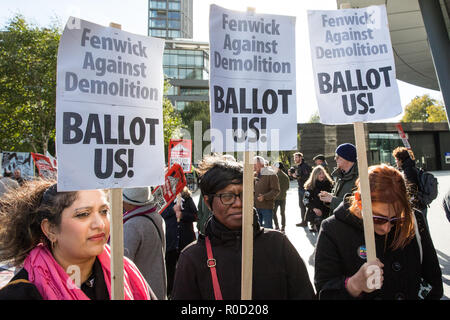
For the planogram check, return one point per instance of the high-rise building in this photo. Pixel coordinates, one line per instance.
(170, 19)
(185, 62)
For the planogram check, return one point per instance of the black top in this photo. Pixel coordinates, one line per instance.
(20, 289)
(340, 252)
(278, 270)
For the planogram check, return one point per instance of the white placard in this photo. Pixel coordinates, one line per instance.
(109, 126)
(252, 81)
(353, 65)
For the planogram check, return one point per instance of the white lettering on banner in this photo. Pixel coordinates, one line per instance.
(252, 81)
(354, 69)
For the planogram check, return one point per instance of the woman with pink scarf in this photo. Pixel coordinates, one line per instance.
(59, 239)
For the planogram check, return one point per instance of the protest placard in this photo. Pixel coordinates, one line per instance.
(353, 65)
(403, 136)
(252, 81)
(44, 166)
(108, 108)
(354, 75)
(180, 151)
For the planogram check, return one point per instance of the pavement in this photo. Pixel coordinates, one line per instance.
(304, 241)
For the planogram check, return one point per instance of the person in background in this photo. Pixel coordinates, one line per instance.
(18, 177)
(280, 200)
(344, 175)
(404, 160)
(267, 188)
(300, 171)
(404, 249)
(278, 270)
(59, 239)
(446, 204)
(318, 181)
(144, 237)
(179, 217)
(319, 160)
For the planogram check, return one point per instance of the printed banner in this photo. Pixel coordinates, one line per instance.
(174, 183)
(109, 126)
(18, 160)
(44, 166)
(403, 136)
(353, 65)
(252, 81)
(180, 151)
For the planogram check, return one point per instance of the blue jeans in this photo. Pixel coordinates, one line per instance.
(265, 217)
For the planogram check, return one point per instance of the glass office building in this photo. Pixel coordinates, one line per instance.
(170, 19)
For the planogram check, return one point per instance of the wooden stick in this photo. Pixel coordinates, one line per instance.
(116, 242)
(369, 236)
(247, 228)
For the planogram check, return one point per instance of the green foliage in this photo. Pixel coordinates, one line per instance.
(424, 109)
(315, 118)
(196, 113)
(27, 85)
(171, 119)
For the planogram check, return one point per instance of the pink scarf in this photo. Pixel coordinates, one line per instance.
(53, 283)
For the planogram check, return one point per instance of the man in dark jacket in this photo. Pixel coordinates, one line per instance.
(278, 270)
(344, 175)
(301, 172)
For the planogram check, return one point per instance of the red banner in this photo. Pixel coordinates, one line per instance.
(180, 151)
(44, 166)
(175, 181)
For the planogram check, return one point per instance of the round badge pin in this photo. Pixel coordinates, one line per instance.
(362, 252)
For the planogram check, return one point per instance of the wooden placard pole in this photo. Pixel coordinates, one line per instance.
(116, 242)
(247, 220)
(366, 199)
(247, 227)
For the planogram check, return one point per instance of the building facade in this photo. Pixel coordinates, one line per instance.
(429, 142)
(170, 19)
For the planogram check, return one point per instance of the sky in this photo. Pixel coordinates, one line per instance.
(133, 16)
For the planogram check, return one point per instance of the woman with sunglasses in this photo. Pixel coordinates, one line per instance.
(211, 267)
(341, 270)
(59, 242)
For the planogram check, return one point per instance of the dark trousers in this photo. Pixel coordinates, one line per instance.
(171, 263)
(301, 194)
(282, 205)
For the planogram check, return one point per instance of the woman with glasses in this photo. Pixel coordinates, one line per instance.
(59, 242)
(211, 267)
(407, 266)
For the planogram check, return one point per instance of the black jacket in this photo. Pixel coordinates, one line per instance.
(278, 270)
(303, 170)
(412, 183)
(180, 234)
(312, 200)
(339, 255)
(19, 288)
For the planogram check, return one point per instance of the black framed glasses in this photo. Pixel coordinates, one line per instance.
(228, 198)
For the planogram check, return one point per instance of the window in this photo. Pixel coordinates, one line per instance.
(174, 34)
(158, 33)
(174, 6)
(174, 15)
(157, 23)
(157, 5)
(174, 24)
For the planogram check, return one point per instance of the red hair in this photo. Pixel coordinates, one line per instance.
(387, 185)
